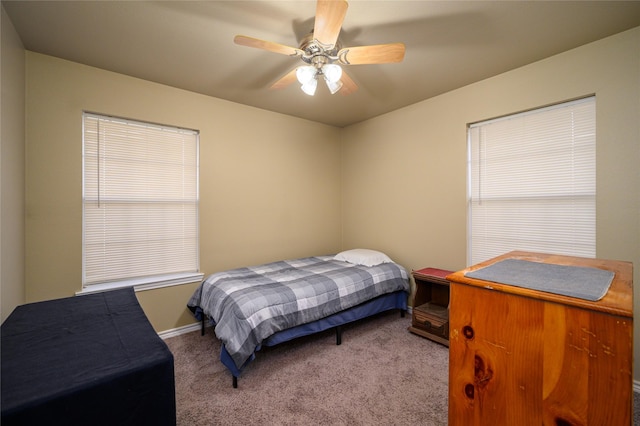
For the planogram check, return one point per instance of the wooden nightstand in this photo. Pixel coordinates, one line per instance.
(430, 316)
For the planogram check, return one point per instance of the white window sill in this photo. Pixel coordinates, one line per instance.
(142, 284)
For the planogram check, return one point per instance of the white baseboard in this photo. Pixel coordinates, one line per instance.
(180, 330)
(196, 326)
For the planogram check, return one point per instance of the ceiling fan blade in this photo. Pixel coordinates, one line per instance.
(376, 54)
(348, 85)
(286, 80)
(329, 17)
(267, 45)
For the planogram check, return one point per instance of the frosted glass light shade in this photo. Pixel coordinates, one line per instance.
(305, 74)
(334, 86)
(310, 87)
(332, 72)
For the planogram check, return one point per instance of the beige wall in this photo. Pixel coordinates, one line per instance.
(404, 174)
(269, 183)
(274, 186)
(12, 169)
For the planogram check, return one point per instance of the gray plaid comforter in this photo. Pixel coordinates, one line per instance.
(250, 304)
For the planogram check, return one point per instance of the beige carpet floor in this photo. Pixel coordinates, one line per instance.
(380, 375)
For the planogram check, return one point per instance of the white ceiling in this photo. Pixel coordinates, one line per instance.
(189, 44)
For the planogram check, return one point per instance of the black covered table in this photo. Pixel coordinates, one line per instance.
(85, 360)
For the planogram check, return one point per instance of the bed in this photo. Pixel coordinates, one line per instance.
(85, 360)
(268, 304)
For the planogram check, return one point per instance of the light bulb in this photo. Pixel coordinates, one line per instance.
(310, 87)
(305, 74)
(332, 72)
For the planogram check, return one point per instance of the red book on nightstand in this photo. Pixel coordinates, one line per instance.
(433, 272)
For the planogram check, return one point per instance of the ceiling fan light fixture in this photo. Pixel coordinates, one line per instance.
(332, 73)
(310, 86)
(306, 74)
(322, 52)
(333, 86)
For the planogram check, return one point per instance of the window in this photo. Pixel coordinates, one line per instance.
(532, 182)
(140, 204)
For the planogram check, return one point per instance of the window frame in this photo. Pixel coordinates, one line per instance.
(589, 249)
(146, 282)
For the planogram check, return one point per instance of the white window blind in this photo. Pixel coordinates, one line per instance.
(532, 182)
(140, 201)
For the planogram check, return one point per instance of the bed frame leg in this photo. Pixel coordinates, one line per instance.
(202, 328)
(338, 335)
(402, 313)
(235, 382)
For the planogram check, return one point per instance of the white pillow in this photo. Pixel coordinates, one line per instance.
(364, 257)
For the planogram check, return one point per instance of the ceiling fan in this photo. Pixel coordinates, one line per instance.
(322, 52)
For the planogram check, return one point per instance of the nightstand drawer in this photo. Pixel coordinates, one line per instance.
(422, 317)
(432, 319)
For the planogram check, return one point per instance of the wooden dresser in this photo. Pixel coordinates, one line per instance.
(528, 357)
